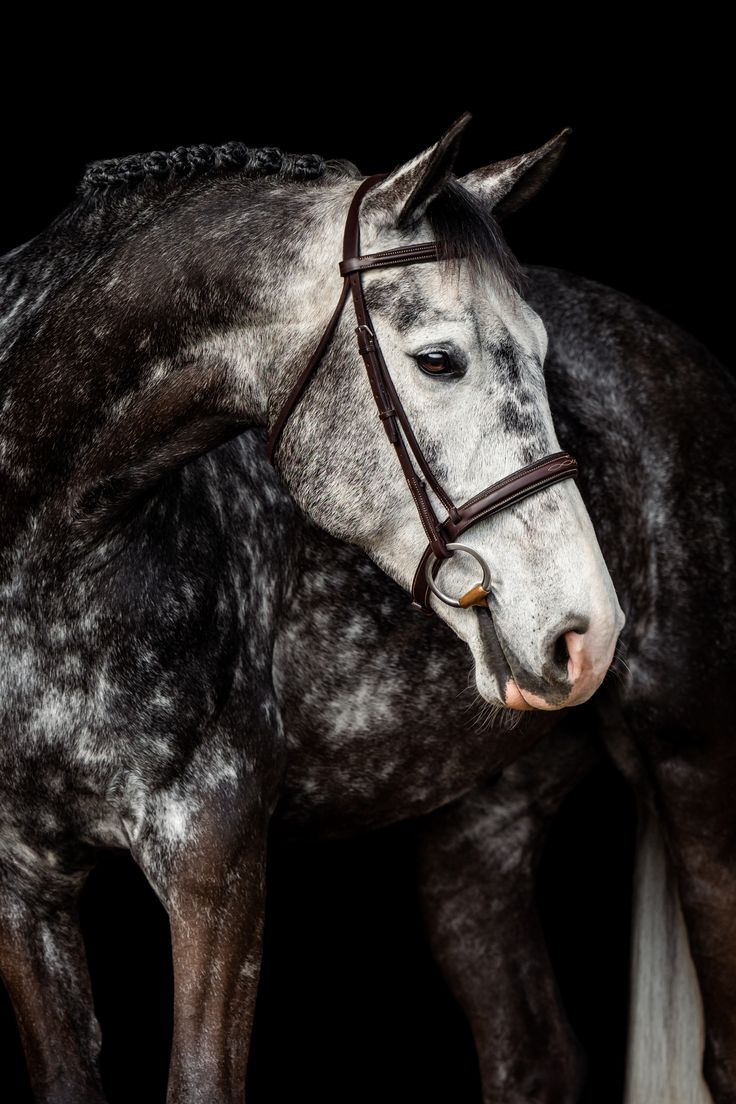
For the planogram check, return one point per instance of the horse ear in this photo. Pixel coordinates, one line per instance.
(404, 195)
(509, 184)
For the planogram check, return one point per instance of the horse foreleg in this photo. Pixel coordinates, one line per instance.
(44, 967)
(213, 886)
(477, 862)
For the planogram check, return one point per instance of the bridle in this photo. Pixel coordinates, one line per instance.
(441, 535)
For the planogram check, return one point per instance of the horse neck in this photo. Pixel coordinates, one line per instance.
(164, 343)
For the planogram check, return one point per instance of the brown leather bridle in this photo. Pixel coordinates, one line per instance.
(442, 535)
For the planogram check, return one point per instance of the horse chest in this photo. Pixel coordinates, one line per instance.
(379, 779)
(375, 735)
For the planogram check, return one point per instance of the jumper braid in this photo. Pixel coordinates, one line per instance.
(187, 161)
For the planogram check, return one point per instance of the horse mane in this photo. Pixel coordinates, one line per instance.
(462, 224)
(117, 175)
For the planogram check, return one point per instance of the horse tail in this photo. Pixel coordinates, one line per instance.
(666, 1029)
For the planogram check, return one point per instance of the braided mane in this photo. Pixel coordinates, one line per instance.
(119, 174)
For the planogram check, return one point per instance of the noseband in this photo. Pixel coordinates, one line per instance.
(441, 535)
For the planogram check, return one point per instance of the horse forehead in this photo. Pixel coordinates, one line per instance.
(424, 295)
(410, 296)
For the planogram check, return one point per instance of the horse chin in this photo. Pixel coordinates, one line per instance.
(502, 693)
(493, 675)
(494, 680)
(514, 699)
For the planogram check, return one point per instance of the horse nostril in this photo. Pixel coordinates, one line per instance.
(568, 647)
(560, 654)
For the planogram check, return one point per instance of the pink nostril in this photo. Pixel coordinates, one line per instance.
(577, 662)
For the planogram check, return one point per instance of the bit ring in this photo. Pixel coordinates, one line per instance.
(476, 595)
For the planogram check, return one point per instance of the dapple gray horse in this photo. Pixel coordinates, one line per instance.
(161, 314)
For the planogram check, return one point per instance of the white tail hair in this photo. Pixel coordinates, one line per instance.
(666, 1032)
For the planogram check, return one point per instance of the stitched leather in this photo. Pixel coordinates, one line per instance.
(411, 254)
(512, 488)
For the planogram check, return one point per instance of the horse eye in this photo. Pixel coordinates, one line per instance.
(438, 363)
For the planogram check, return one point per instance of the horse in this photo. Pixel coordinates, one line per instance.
(157, 317)
(646, 407)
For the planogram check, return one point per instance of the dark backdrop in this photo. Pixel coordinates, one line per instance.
(351, 1007)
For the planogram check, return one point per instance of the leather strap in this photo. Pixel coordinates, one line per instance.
(304, 376)
(512, 488)
(390, 409)
(407, 254)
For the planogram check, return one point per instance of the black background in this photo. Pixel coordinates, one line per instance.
(351, 1007)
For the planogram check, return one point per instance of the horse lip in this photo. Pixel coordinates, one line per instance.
(493, 649)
